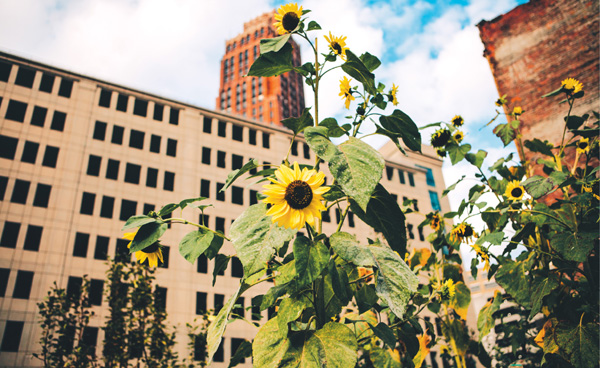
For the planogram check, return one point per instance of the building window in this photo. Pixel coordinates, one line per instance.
(47, 83)
(206, 155)
(50, 156)
(96, 288)
(101, 250)
(58, 121)
(220, 159)
(122, 102)
(237, 195)
(136, 139)
(5, 68)
(253, 198)
(121, 251)
(112, 169)
(266, 140)
(23, 285)
(235, 344)
(155, 143)
(151, 177)
(351, 219)
(256, 315)
(252, 136)
(107, 207)
(117, 134)
(12, 336)
(42, 195)
(421, 235)
(239, 308)
(205, 188)
(140, 107)
(93, 168)
(87, 203)
(132, 173)
(25, 77)
(219, 355)
(220, 224)
(169, 182)
(128, 209)
(165, 252)
(294, 150)
(90, 337)
(174, 116)
(237, 162)
(200, 302)
(218, 303)
(409, 228)
(325, 215)
(8, 147)
(171, 147)
(33, 238)
(435, 201)
(411, 179)
(38, 118)
(4, 274)
(159, 110)
(222, 129)
(160, 298)
(30, 151)
(220, 195)
(81, 245)
(401, 177)
(20, 191)
(306, 150)
(237, 269)
(16, 111)
(148, 207)
(202, 264)
(389, 172)
(237, 133)
(10, 234)
(3, 184)
(105, 97)
(66, 87)
(207, 127)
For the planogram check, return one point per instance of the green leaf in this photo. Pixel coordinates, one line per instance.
(290, 309)
(392, 136)
(339, 283)
(404, 127)
(379, 101)
(268, 348)
(385, 333)
(540, 290)
(370, 61)
(554, 93)
(137, 221)
(355, 68)
(574, 246)
(243, 351)
(453, 186)
(252, 164)
(167, 209)
(221, 262)
(217, 327)
(333, 129)
(310, 259)
(537, 145)
(366, 298)
(273, 44)
(574, 122)
(513, 277)
(297, 125)
(486, 320)
(183, 204)
(494, 238)
(197, 242)
(507, 132)
(312, 25)
(457, 153)
(256, 238)
(147, 235)
(538, 186)
(272, 295)
(334, 193)
(317, 139)
(384, 216)
(273, 63)
(578, 344)
(385, 358)
(476, 158)
(357, 167)
(306, 69)
(461, 299)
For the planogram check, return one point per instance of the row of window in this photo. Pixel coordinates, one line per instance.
(26, 78)
(10, 236)
(132, 172)
(140, 106)
(390, 176)
(136, 138)
(237, 193)
(411, 235)
(23, 283)
(17, 110)
(88, 202)
(8, 149)
(20, 192)
(237, 132)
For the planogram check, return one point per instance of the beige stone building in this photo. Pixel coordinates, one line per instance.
(79, 155)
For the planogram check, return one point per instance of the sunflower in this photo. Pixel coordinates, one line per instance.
(440, 137)
(337, 45)
(485, 257)
(296, 196)
(571, 86)
(345, 91)
(458, 136)
(514, 190)
(287, 17)
(447, 290)
(517, 110)
(441, 152)
(457, 121)
(436, 220)
(152, 253)
(583, 146)
(501, 101)
(462, 232)
(393, 95)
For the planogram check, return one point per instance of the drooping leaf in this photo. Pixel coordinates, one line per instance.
(273, 44)
(147, 235)
(256, 238)
(574, 121)
(453, 186)
(485, 320)
(290, 309)
(461, 300)
(541, 289)
(355, 68)
(339, 282)
(216, 329)
(423, 350)
(457, 153)
(273, 63)
(370, 61)
(297, 125)
(183, 204)
(235, 174)
(385, 333)
(317, 139)
(476, 158)
(538, 186)
(507, 132)
(334, 193)
(312, 25)
(494, 238)
(310, 259)
(167, 209)
(537, 145)
(404, 127)
(196, 242)
(137, 221)
(221, 262)
(333, 129)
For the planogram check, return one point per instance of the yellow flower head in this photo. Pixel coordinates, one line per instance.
(152, 253)
(485, 257)
(501, 101)
(295, 196)
(517, 110)
(583, 146)
(436, 220)
(462, 232)
(288, 18)
(458, 136)
(440, 138)
(457, 121)
(514, 191)
(393, 95)
(345, 91)
(337, 45)
(572, 86)
(447, 290)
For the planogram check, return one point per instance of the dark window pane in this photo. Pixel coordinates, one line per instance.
(87, 203)
(122, 102)
(107, 207)
(112, 169)
(155, 143)
(117, 134)
(239, 310)
(256, 316)
(218, 303)
(306, 150)
(47, 83)
(253, 199)
(101, 251)
(200, 303)
(220, 159)
(222, 129)
(3, 184)
(121, 251)
(100, 130)
(25, 77)
(435, 201)
(10, 234)
(16, 111)
(237, 133)
(252, 136)
(199, 348)
(351, 219)
(220, 195)
(33, 238)
(235, 344)
(42, 195)
(206, 155)
(237, 195)
(136, 139)
(174, 116)
(66, 86)
(169, 182)
(237, 270)
(58, 121)
(151, 177)
(148, 207)
(50, 156)
(8, 147)
(12, 336)
(23, 285)
(140, 107)
(325, 216)
(220, 224)
(171, 147)
(128, 209)
(207, 127)
(93, 168)
(266, 140)
(294, 150)
(4, 273)
(219, 355)
(20, 191)
(158, 111)
(81, 245)
(411, 179)
(202, 264)
(165, 253)
(74, 287)
(132, 173)
(205, 188)
(105, 97)
(409, 228)
(237, 162)
(30, 152)
(401, 177)
(96, 288)
(5, 68)
(90, 336)
(38, 118)
(160, 298)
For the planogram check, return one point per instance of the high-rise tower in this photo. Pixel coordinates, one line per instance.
(265, 99)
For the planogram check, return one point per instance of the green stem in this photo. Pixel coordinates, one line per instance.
(186, 222)
(342, 218)
(562, 141)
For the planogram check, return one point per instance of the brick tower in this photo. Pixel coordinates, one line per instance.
(265, 99)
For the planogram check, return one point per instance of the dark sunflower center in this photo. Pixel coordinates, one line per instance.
(457, 121)
(337, 48)
(583, 145)
(468, 232)
(516, 192)
(151, 249)
(290, 21)
(440, 138)
(298, 194)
